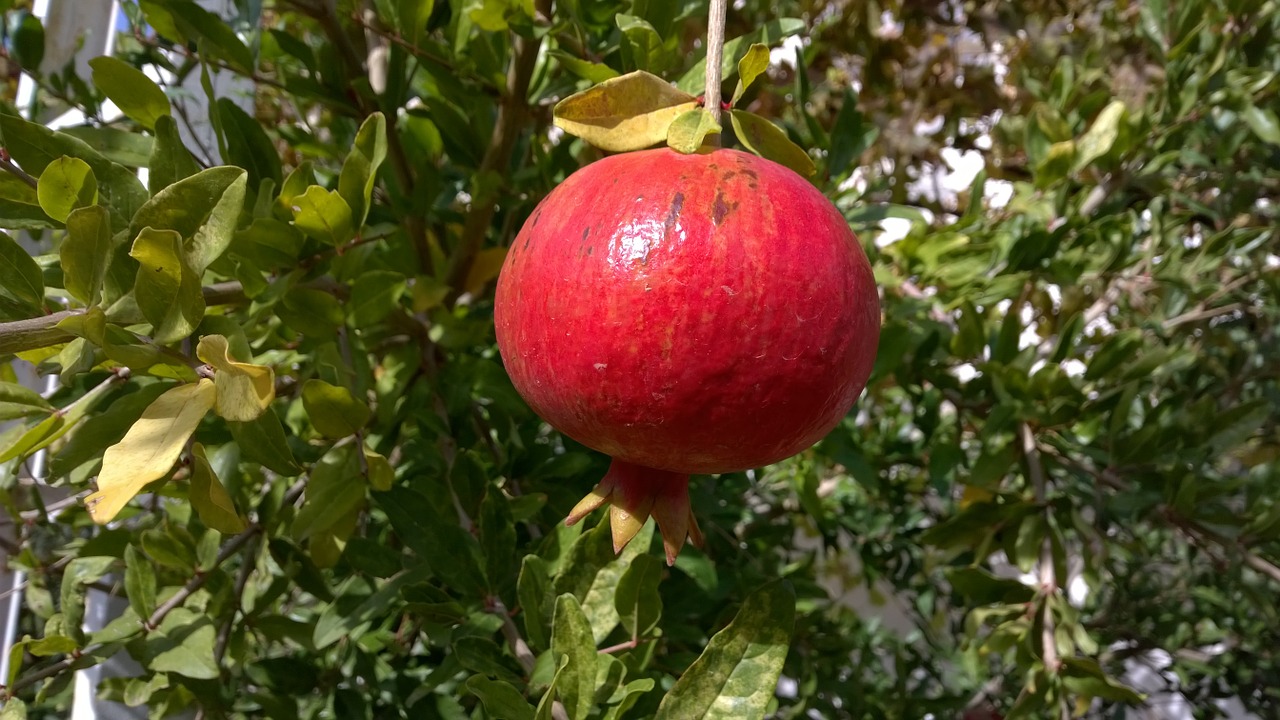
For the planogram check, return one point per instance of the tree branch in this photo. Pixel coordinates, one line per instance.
(196, 582)
(715, 56)
(1047, 574)
(512, 112)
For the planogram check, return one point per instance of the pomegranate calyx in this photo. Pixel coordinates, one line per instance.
(635, 493)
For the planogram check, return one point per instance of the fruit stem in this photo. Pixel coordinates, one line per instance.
(715, 55)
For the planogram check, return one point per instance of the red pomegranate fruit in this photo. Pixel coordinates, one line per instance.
(685, 314)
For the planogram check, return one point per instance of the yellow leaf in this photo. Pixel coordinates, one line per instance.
(485, 268)
(381, 474)
(149, 448)
(625, 113)
(244, 390)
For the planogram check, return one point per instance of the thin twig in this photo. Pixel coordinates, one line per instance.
(715, 56)
(248, 563)
(7, 165)
(1047, 573)
(196, 582)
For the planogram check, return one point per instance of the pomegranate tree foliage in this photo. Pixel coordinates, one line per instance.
(363, 519)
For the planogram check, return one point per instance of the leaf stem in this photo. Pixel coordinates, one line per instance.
(715, 56)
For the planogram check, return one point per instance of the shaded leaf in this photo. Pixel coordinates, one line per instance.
(21, 281)
(768, 141)
(323, 215)
(736, 676)
(360, 169)
(210, 498)
(501, 700)
(85, 253)
(170, 160)
(333, 410)
(203, 209)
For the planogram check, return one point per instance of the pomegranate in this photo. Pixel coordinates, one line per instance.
(685, 314)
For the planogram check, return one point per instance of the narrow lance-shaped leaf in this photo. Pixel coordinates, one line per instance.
(572, 640)
(21, 282)
(768, 141)
(248, 145)
(130, 89)
(66, 184)
(167, 289)
(360, 169)
(736, 676)
(245, 390)
(625, 113)
(210, 498)
(750, 68)
(139, 581)
(637, 600)
(170, 159)
(148, 451)
(1101, 135)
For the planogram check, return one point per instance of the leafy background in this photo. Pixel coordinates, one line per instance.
(1060, 482)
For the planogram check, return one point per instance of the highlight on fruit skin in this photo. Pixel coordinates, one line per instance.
(685, 314)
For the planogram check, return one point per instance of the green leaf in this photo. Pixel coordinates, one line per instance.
(311, 312)
(626, 113)
(643, 47)
(21, 282)
(338, 621)
(1098, 140)
(248, 145)
(34, 146)
(324, 216)
(333, 410)
(1056, 164)
(453, 553)
(592, 72)
(210, 498)
(130, 89)
(1083, 676)
(139, 581)
(186, 22)
(66, 184)
(533, 589)
(1233, 427)
(184, 646)
(170, 160)
(752, 65)
(334, 491)
(690, 129)
(628, 695)
(547, 703)
(85, 253)
(18, 402)
(263, 441)
(768, 141)
(637, 600)
(130, 149)
(497, 538)
(360, 169)
(592, 571)
(983, 588)
(571, 639)
(14, 708)
(202, 209)
(501, 700)
(737, 675)
(167, 289)
(374, 295)
(694, 79)
(1263, 123)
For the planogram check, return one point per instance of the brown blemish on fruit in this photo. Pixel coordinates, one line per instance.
(669, 224)
(719, 208)
(585, 232)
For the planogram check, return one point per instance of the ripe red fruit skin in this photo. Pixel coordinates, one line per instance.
(695, 314)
